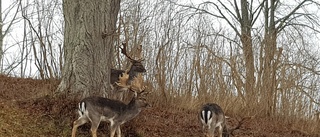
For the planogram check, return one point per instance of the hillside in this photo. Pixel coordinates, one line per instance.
(28, 108)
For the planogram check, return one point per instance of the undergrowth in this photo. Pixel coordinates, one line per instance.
(31, 109)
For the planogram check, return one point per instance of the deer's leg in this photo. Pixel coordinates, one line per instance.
(94, 127)
(225, 132)
(94, 132)
(112, 130)
(118, 131)
(210, 132)
(220, 130)
(78, 123)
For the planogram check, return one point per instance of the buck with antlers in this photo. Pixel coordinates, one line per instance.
(135, 68)
(97, 109)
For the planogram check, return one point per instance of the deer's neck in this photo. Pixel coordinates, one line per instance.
(132, 103)
(133, 106)
(132, 74)
(132, 111)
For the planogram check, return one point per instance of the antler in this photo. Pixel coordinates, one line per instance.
(137, 85)
(124, 52)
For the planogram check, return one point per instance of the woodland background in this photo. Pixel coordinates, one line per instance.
(254, 58)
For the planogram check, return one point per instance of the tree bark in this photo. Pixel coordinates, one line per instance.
(90, 27)
(269, 48)
(246, 40)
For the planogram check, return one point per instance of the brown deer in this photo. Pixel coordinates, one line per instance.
(97, 109)
(135, 68)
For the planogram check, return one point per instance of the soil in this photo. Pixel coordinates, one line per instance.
(29, 107)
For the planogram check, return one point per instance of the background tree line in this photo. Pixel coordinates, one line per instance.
(261, 55)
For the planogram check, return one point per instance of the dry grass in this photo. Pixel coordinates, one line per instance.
(28, 108)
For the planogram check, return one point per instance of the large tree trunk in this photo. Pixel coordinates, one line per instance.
(90, 27)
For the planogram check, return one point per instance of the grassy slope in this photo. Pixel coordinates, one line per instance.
(27, 108)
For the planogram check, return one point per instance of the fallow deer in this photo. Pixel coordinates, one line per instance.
(135, 68)
(97, 109)
(212, 117)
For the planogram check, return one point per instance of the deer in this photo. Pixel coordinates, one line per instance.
(212, 117)
(135, 68)
(96, 109)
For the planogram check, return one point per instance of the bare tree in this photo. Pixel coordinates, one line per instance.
(9, 20)
(90, 32)
(41, 36)
(261, 66)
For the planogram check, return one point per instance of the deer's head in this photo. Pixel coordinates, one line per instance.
(136, 66)
(137, 87)
(135, 69)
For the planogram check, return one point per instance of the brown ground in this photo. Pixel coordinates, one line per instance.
(28, 108)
